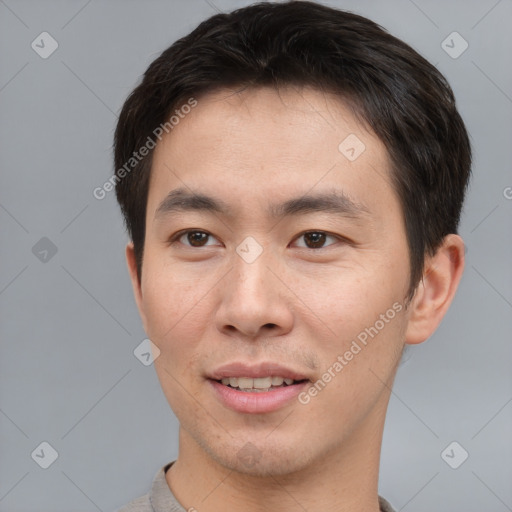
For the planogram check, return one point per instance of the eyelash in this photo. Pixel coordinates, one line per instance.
(176, 237)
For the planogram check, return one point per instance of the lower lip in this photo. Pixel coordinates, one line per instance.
(257, 402)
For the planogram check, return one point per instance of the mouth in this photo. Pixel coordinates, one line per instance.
(256, 388)
(258, 384)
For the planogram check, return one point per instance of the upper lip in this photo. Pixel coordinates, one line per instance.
(264, 369)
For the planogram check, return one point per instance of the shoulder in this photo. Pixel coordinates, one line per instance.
(141, 504)
(157, 499)
(385, 506)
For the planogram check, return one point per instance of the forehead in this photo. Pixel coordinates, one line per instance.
(265, 143)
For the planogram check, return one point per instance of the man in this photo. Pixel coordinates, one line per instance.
(291, 177)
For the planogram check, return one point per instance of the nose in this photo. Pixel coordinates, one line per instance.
(254, 301)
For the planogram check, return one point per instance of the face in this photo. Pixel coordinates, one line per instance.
(275, 249)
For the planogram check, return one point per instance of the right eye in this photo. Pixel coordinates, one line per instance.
(193, 238)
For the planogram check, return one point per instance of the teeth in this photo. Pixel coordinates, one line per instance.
(260, 383)
(244, 382)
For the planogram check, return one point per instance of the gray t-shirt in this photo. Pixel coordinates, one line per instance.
(161, 499)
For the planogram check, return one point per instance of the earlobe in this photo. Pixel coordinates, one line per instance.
(136, 284)
(436, 290)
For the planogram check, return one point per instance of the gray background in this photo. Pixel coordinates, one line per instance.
(68, 373)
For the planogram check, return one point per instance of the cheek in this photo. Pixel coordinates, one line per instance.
(358, 366)
(171, 294)
(346, 300)
(176, 304)
(364, 319)
(177, 309)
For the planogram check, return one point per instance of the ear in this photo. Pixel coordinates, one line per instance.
(436, 290)
(136, 283)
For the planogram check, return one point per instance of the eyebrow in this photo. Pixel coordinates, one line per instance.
(330, 202)
(181, 200)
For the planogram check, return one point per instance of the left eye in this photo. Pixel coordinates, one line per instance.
(316, 239)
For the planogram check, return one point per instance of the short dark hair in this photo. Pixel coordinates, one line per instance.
(403, 98)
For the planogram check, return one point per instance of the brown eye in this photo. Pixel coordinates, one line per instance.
(315, 239)
(197, 238)
(194, 238)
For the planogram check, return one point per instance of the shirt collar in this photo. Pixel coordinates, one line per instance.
(161, 497)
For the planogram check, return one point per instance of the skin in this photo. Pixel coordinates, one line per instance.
(302, 307)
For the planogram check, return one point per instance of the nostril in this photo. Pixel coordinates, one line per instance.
(270, 326)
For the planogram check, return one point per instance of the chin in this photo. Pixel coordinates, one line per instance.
(261, 457)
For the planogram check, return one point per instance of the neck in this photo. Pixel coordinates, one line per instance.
(343, 480)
